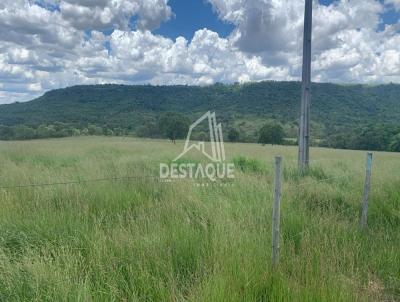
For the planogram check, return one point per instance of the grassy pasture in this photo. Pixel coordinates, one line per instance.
(142, 240)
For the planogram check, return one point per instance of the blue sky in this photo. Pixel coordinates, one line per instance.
(390, 16)
(189, 16)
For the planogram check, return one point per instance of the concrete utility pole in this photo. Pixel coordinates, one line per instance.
(304, 134)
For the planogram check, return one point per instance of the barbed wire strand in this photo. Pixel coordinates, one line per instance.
(162, 180)
(77, 182)
(122, 178)
(321, 180)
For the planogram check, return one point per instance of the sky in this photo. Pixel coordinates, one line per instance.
(50, 44)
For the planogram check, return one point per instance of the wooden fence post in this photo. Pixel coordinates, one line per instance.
(276, 210)
(367, 186)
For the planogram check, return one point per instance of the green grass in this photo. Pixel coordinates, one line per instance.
(142, 240)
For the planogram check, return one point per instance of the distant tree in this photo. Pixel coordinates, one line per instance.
(149, 129)
(119, 131)
(271, 133)
(66, 131)
(108, 132)
(43, 131)
(60, 128)
(95, 130)
(173, 125)
(6, 133)
(200, 136)
(76, 132)
(373, 137)
(85, 131)
(339, 141)
(24, 132)
(233, 135)
(395, 143)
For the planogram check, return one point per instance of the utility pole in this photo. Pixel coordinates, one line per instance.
(304, 133)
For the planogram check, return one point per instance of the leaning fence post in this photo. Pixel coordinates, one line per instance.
(364, 205)
(276, 210)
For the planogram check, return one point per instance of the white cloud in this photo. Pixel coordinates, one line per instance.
(35, 87)
(346, 40)
(152, 13)
(93, 14)
(395, 3)
(59, 43)
(206, 59)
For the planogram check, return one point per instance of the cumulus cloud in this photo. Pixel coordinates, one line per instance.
(346, 39)
(93, 14)
(48, 44)
(262, 25)
(152, 13)
(140, 56)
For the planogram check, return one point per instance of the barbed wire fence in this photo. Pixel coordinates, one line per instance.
(275, 181)
(151, 178)
(278, 194)
(168, 180)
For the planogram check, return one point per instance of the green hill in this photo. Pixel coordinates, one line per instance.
(334, 107)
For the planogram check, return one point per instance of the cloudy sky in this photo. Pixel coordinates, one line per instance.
(47, 44)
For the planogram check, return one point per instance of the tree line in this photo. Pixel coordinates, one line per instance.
(174, 126)
(56, 130)
(375, 137)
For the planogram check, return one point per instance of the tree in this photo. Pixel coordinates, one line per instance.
(395, 143)
(173, 125)
(22, 132)
(85, 131)
(108, 132)
(6, 133)
(271, 133)
(200, 136)
(76, 132)
(45, 131)
(95, 130)
(233, 135)
(373, 137)
(339, 141)
(148, 129)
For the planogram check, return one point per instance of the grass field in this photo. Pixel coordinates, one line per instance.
(142, 240)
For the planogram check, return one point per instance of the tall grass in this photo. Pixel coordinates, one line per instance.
(142, 240)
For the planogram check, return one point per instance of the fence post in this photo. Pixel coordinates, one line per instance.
(276, 210)
(364, 205)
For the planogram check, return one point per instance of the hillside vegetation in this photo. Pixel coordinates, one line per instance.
(142, 240)
(338, 111)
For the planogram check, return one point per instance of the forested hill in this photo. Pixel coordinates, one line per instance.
(127, 107)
